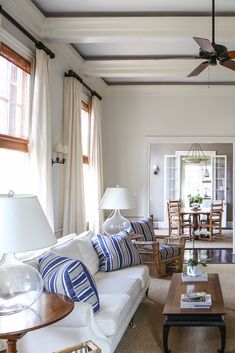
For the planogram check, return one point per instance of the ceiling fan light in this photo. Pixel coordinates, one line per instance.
(213, 61)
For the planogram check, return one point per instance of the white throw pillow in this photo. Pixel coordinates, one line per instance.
(87, 251)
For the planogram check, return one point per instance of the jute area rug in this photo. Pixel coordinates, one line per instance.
(146, 337)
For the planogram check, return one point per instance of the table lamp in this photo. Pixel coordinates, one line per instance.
(23, 227)
(116, 199)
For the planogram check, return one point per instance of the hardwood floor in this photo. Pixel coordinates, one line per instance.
(213, 256)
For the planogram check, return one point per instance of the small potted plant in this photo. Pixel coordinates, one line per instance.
(195, 200)
(195, 268)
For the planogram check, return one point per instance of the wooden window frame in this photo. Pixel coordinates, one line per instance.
(9, 141)
(86, 108)
(14, 143)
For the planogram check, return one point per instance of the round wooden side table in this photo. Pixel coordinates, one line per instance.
(48, 309)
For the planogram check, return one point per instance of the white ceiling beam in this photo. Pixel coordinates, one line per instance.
(122, 29)
(159, 69)
(140, 68)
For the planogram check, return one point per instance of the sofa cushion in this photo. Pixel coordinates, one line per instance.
(144, 227)
(141, 272)
(114, 309)
(115, 252)
(130, 286)
(70, 277)
(87, 251)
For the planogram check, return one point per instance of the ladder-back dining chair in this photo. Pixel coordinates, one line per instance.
(213, 224)
(178, 222)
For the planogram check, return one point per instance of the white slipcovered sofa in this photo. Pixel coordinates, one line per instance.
(120, 293)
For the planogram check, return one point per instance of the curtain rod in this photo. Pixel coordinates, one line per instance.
(38, 43)
(71, 73)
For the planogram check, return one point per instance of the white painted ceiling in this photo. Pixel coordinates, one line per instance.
(124, 41)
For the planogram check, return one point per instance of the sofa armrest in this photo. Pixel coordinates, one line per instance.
(81, 316)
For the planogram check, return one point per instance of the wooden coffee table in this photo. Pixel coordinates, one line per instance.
(175, 316)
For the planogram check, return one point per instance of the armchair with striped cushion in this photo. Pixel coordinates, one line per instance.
(157, 256)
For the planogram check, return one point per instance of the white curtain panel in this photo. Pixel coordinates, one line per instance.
(74, 210)
(95, 168)
(40, 141)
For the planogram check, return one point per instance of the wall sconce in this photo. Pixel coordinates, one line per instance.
(59, 149)
(156, 169)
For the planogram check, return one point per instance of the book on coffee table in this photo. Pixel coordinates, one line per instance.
(195, 300)
(201, 278)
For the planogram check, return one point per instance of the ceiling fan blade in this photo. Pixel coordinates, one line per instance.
(205, 44)
(230, 64)
(199, 69)
(231, 54)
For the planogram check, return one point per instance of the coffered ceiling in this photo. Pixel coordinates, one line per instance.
(141, 42)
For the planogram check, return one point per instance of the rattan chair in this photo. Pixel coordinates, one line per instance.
(159, 256)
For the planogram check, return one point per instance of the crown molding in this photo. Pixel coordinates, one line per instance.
(20, 48)
(74, 61)
(170, 91)
(26, 14)
(68, 53)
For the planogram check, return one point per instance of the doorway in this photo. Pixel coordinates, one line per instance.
(194, 182)
(155, 189)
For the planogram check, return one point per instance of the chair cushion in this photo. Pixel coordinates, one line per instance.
(144, 227)
(70, 277)
(115, 252)
(167, 251)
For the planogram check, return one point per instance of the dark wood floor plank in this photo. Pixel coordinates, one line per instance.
(213, 256)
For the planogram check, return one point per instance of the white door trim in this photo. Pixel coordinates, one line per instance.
(186, 139)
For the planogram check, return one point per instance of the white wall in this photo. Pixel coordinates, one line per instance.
(131, 114)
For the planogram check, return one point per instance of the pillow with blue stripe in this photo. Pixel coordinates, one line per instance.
(115, 251)
(70, 277)
(144, 227)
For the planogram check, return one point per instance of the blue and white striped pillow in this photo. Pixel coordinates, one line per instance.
(115, 252)
(70, 277)
(144, 227)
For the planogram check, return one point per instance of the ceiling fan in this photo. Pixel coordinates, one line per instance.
(212, 52)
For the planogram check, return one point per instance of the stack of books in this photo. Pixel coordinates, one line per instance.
(201, 278)
(195, 300)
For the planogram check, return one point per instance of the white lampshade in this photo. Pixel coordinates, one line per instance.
(117, 199)
(23, 227)
(65, 149)
(58, 148)
(23, 224)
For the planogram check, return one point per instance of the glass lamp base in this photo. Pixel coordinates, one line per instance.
(116, 223)
(20, 285)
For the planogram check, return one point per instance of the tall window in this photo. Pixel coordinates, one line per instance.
(14, 119)
(85, 124)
